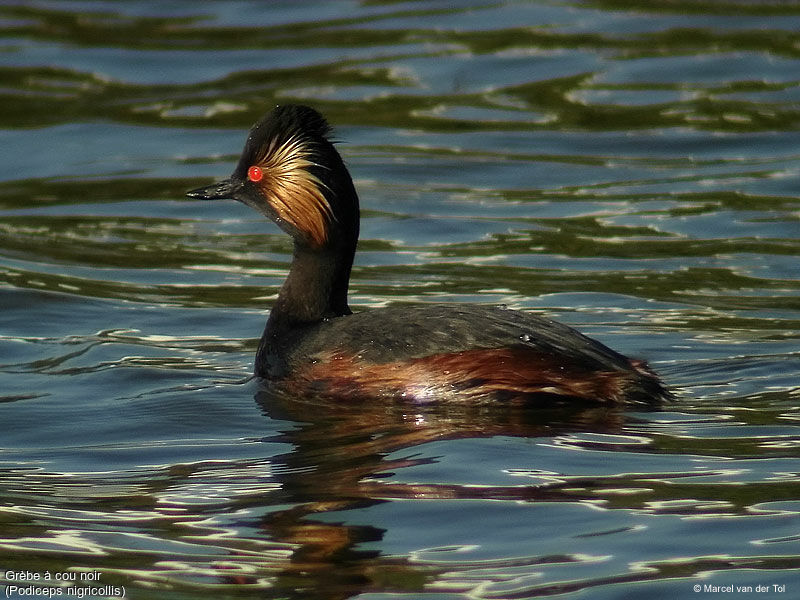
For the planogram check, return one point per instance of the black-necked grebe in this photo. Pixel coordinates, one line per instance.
(313, 344)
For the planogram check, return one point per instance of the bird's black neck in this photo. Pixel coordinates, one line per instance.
(316, 287)
(314, 290)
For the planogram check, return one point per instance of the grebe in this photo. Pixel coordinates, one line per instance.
(314, 345)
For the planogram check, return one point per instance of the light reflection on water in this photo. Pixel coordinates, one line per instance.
(629, 170)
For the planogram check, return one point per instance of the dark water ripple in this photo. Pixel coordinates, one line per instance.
(627, 167)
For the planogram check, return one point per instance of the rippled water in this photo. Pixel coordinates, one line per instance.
(631, 168)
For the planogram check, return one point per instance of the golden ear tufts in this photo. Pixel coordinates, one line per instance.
(294, 192)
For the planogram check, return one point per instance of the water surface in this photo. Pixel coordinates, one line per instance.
(627, 168)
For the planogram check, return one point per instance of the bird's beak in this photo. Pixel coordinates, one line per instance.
(226, 188)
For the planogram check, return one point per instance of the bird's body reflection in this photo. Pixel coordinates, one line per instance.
(344, 458)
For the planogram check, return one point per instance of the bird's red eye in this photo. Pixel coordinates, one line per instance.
(255, 173)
